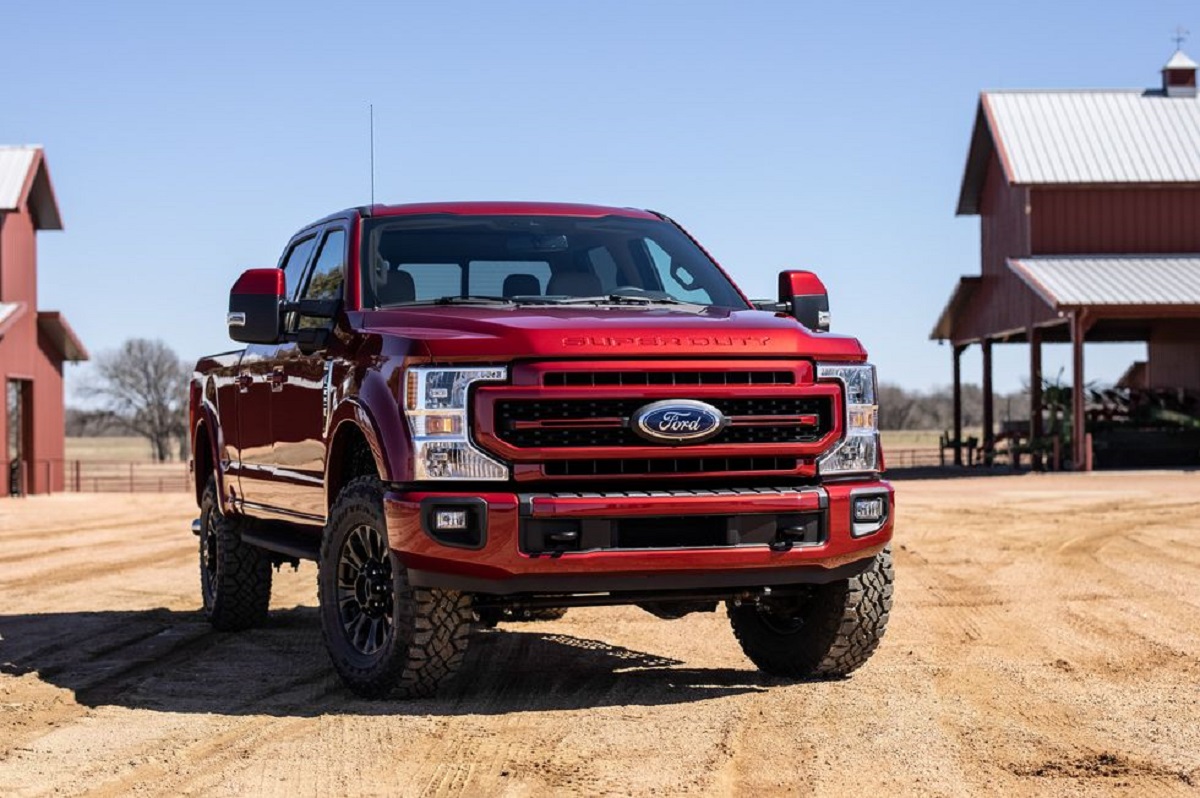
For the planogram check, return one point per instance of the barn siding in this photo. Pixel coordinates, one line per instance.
(1174, 355)
(1002, 302)
(26, 354)
(1116, 221)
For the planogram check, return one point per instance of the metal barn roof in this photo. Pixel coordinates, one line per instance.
(54, 326)
(9, 313)
(17, 182)
(1089, 281)
(1083, 138)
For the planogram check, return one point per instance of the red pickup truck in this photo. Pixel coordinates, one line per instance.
(471, 411)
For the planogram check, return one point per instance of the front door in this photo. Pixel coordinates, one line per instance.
(260, 378)
(300, 407)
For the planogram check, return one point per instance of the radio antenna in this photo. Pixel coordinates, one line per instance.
(371, 111)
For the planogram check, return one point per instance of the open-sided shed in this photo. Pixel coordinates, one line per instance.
(1089, 203)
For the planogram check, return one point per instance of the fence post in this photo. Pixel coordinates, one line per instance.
(78, 479)
(131, 477)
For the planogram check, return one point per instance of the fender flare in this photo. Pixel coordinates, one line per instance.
(375, 413)
(215, 443)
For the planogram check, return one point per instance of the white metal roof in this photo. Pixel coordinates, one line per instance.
(1096, 136)
(1112, 280)
(15, 165)
(1085, 137)
(14, 171)
(7, 309)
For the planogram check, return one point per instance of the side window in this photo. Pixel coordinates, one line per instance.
(670, 280)
(294, 263)
(326, 279)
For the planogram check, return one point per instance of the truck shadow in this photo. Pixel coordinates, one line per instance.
(173, 661)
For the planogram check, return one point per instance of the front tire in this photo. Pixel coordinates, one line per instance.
(235, 577)
(827, 633)
(384, 636)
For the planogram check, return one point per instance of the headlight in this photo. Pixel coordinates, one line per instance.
(435, 403)
(858, 451)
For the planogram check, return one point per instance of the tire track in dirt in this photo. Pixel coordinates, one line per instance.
(1022, 606)
(91, 569)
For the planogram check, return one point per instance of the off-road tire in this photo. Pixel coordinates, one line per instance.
(235, 577)
(827, 634)
(426, 638)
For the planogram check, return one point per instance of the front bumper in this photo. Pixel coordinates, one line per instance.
(500, 563)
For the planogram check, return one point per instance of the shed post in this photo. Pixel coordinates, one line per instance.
(1035, 396)
(958, 350)
(1078, 332)
(989, 434)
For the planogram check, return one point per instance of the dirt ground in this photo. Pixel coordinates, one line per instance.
(1045, 641)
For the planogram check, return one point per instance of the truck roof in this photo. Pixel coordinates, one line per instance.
(485, 209)
(504, 209)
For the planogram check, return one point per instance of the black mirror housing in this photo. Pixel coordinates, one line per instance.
(256, 307)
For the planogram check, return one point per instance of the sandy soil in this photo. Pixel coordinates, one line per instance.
(1045, 641)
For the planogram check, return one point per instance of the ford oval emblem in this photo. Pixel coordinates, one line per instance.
(678, 421)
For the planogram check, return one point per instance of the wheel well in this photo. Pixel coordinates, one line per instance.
(350, 456)
(202, 460)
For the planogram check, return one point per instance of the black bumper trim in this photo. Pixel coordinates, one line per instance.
(606, 583)
(525, 500)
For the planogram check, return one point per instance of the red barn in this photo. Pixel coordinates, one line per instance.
(1089, 206)
(34, 343)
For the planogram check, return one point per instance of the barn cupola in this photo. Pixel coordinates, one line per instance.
(1179, 76)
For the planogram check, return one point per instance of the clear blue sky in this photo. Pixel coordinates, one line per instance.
(187, 141)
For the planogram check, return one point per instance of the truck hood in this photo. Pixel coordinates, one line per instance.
(504, 333)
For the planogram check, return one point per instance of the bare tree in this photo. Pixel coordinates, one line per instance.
(144, 384)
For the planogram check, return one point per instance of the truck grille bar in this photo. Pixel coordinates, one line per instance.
(573, 420)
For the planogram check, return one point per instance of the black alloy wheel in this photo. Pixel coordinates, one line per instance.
(364, 590)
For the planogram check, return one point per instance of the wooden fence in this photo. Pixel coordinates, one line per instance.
(104, 476)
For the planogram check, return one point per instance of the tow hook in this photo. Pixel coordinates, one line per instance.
(196, 527)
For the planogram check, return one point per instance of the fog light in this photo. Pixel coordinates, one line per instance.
(868, 509)
(868, 513)
(449, 520)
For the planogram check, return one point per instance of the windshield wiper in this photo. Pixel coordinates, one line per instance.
(455, 300)
(616, 299)
(473, 299)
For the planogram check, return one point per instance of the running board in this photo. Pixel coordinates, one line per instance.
(279, 541)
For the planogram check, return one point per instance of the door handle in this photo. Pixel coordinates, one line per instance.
(277, 379)
(244, 382)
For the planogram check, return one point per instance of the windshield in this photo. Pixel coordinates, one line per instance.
(444, 259)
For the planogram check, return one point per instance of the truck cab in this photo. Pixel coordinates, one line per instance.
(473, 412)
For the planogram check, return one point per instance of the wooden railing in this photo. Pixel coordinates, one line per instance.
(97, 476)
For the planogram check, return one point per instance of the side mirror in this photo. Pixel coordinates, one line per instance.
(256, 304)
(803, 296)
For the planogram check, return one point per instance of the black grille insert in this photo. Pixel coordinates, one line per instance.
(560, 379)
(667, 466)
(605, 422)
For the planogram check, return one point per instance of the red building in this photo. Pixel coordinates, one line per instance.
(34, 343)
(1089, 206)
